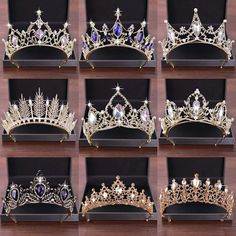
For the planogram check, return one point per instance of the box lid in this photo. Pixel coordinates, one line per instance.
(210, 11)
(178, 90)
(103, 11)
(211, 167)
(23, 11)
(29, 87)
(23, 169)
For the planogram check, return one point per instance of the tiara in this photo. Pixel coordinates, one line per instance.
(39, 111)
(196, 191)
(118, 36)
(38, 33)
(117, 194)
(39, 191)
(118, 116)
(197, 33)
(196, 110)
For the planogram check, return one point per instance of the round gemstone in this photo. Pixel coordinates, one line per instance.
(117, 29)
(14, 194)
(118, 111)
(196, 106)
(39, 34)
(196, 29)
(92, 118)
(140, 37)
(94, 36)
(64, 194)
(145, 116)
(40, 189)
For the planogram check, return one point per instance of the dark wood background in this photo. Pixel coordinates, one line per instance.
(158, 170)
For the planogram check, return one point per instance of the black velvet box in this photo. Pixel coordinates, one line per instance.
(22, 170)
(210, 167)
(99, 92)
(105, 170)
(100, 12)
(21, 13)
(28, 88)
(214, 90)
(211, 12)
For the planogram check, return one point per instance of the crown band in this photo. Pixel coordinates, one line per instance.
(196, 191)
(117, 194)
(39, 191)
(118, 36)
(118, 116)
(196, 110)
(38, 33)
(196, 33)
(39, 111)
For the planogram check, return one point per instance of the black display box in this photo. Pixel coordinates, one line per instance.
(49, 88)
(104, 170)
(21, 13)
(211, 12)
(214, 90)
(204, 167)
(23, 170)
(133, 12)
(99, 92)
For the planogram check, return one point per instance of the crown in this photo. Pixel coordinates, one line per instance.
(196, 191)
(38, 111)
(119, 115)
(38, 33)
(197, 33)
(196, 110)
(118, 36)
(117, 194)
(39, 191)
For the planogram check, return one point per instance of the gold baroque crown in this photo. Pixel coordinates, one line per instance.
(39, 111)
(196, 33)
(118, 36)
(38, 33)
(118, 116)
(196, 110)
(197, 191)
(117, 194)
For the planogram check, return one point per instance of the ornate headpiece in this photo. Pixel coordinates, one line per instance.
(196, 110)
(197, 33)
(119, 115)
(39, 111)
(38, 33)
(39, 191)
(118, 36)
(196, 191)
(117, 194)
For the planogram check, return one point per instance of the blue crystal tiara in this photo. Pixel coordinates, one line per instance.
(39, 191)
(118, 36)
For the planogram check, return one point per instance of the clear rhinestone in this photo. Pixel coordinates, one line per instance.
(174, 185)
(105, 195)
(196, 182)
(220, 36)
(145, 116)
(171, 35)
(92, 118)
(196, 106)
(118, 111)
(218, 185)
(64, 40)
(196, 29)
(39, 34)
(14, 40)
(118, 190)
(208, 182)
(170, 112)
(220, 113)
(132, 196)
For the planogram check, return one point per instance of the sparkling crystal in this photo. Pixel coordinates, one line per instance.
(15, 40)
(92, 118)
(64, 40)
(218, 185)
(220, 113)
(40, 189)
(132, 196)
(85, 45)
(196, 182)
(105, 195)
(196, 106)
(220, 36)
(171, 35)
(196, 29)
(118, 190)
(145, 115)
(140, 37)
(14, 194)
(174, 185)
(184, 182)
(94, 36)
(117, 29)
(64, 194)
(208, 182)
(170, 112)
(118, 111)
(39, 34)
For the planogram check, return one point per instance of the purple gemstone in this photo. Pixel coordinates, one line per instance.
(140, 37)
(39, 189)
(118, 111)
(14, 194)
(64, 194)
(117, 29)
(85, 45)
(94, 36)
(145, 116)
(39, 34)
(151, 46)
(64, 40)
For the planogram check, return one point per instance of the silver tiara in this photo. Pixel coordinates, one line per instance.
(196, 33)
(118, 36)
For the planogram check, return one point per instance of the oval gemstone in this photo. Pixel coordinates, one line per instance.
(14, 194)
(220, 113)
(140, 37)
(40, 189)
(92, 118)
(151, 46)
(85, 45)
(117, 29)
(94, 36)
(196, 106)
(145, 116)
(64, 194)
(196, 29)
(39, 34)
(220, 36)
(118, 111)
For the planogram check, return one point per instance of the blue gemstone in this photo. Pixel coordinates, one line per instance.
(117, 29)
(130, 39)
(140, 37)
(151, 46)
(85, 45)
(64, 194)
(94, 36)
(14, 194)
(39, 189)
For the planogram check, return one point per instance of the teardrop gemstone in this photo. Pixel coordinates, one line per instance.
(64, 194)
(94, 36)
(40, 189)
(92, 118)
(117, 29)
(145, 116)
(196, 29)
